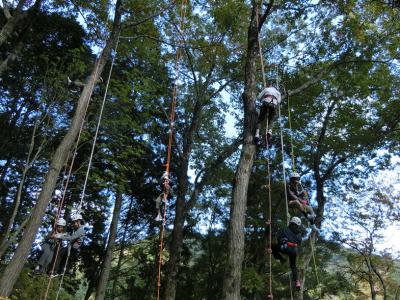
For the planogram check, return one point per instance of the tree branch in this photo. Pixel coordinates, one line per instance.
(208, 171)
(156, 14)
(6, 10)
(266, 14)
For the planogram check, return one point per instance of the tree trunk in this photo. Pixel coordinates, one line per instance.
(14, 268)
(385, 296)
(175, 247)
(10, 58)
(121, 250)
(13, 22)
(232, 276)
(106, 267)
(177, 233)
(183, 207)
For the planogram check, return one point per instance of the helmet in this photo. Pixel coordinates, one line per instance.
(296, 220)
(76, 217)
(61, 222)
(295, 175)
(271, 91)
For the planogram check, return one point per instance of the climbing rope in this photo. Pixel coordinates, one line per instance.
(283, 167)
(269, 221)
(170, 141)
(315, 268)
(291, 132)
(91, 157)
(68, 179)
(98, 125)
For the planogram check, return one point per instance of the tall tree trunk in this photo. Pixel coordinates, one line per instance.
(106, 267)
(121, 250)
(177, 233)
(232, 276)
(378, 274)
(14, 268)
(182, 206)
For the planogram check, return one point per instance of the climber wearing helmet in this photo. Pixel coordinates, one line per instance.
(270, 99)
(75, 239)
(298, 198)
(51, 242)
(289, 241)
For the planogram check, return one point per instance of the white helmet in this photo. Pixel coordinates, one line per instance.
(271, 91)
(296, 220)
(61, 222)
(295, 175)
(76, 217)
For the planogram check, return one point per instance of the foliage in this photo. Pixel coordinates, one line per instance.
(345, 130)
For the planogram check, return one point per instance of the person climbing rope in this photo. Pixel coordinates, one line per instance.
(75, 240)
(49, 246)
(298, 198)
(289, 241)
(166, 185)
(270, 99)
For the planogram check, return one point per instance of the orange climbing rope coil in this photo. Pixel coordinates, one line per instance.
(170, 142)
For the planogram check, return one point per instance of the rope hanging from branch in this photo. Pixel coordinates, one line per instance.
(178, 56)
(269, 221)
(61, 204)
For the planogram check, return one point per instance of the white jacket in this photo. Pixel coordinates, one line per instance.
(271, 91)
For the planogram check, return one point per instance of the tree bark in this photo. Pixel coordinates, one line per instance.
(121, 250)
(375, 270)
(370, 280)
(14, 268)
(232, 276)
(183, 182)
(13, 21)
(11, 57)
(106, 267)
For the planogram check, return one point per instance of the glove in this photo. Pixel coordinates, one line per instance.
(59, 235)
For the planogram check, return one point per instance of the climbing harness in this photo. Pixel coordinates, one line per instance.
(170, 141)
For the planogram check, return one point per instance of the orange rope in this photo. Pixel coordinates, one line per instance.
(170, 141)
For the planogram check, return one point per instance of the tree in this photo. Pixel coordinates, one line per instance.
(231, 287)
(368, 213)
(14, 268)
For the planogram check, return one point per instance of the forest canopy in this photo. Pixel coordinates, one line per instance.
(135, 162)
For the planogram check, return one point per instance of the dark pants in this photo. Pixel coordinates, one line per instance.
(267, 110)
(291, 252)
(63, 261)
(46, 257)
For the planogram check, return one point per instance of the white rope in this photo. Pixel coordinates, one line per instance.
(91, 157)
(283, 166)
(64, 270)
(97, 127)
(70, 172)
